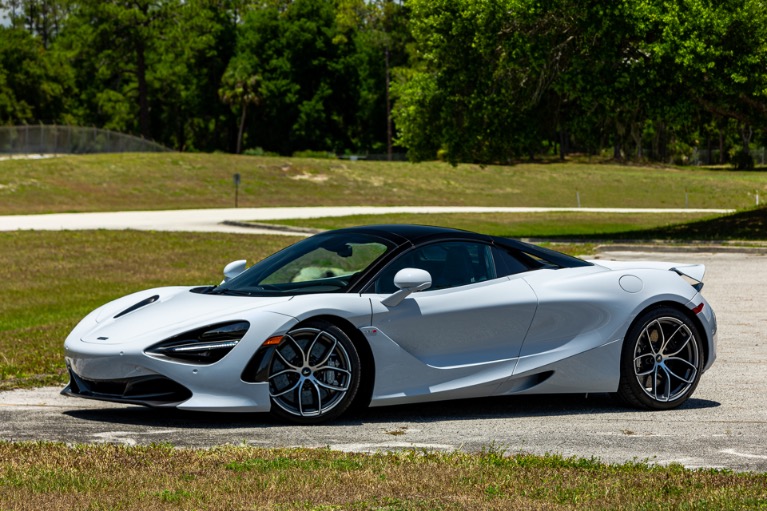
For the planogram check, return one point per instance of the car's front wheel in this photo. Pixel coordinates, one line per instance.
(662, 360)
(314, 373)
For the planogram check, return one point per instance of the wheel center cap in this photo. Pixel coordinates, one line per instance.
(659, 359)
(306, 371)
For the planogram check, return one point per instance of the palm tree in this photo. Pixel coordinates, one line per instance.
(240, 91)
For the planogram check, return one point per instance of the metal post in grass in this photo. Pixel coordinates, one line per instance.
(236, 188)
(578, 197)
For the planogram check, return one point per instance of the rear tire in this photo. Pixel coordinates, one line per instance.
(661, 361)
(314, 374)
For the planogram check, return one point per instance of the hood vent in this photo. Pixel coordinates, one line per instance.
(140, 304)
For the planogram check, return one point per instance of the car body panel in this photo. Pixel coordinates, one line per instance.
(488, 322)
(557, 328)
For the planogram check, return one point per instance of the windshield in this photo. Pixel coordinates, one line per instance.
(325, 263)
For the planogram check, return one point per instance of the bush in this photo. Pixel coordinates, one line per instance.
(258, 151)
(743, 161)
(314, 154)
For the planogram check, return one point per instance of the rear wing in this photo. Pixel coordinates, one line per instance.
(692, 273)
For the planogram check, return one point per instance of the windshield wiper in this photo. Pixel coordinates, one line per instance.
(219, 291)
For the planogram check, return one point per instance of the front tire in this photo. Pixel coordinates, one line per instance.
(314, 374)
(661, 361)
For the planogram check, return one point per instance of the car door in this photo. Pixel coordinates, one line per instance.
(470, 315)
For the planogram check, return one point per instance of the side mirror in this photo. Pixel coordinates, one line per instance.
(408, 280)
(233, 269)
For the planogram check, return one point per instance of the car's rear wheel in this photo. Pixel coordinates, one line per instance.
(314, 373)
(662, 360)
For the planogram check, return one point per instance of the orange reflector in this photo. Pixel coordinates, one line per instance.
(273, 341)
(697, 309)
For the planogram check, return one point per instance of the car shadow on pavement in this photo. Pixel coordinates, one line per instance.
(467, 409)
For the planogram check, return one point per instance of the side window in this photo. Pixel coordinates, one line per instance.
(507, 264)
(450, 264)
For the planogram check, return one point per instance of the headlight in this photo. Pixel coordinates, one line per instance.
(202, 346)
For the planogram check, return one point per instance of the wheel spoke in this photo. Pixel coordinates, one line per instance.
(668, 340)
(285, 361)
(681, 348)
(646, 333)
(645, 373)
(286, 371)
(332, 387)
(301, 410)
(672, 373)
(643, 356)
(330, 352)
(692, 367)
(667, 384)
(677, 359)
(291, 389)
(311, 346)
(304, 356)
(331, 368)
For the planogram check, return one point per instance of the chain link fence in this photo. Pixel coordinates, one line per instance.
(704, 157)
(51, 139)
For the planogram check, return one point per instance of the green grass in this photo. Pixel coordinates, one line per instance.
(59, 477)
(515, 225)
(51, 280)
(114, 182)
(748, 225)
(744, 225)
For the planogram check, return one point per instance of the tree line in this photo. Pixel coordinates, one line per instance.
(464, 80)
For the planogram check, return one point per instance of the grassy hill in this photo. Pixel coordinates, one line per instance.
(182, 180)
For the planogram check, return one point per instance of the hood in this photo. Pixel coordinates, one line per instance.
(166, 312)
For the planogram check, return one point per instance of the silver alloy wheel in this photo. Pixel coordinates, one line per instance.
(310, 373)
(666, 359)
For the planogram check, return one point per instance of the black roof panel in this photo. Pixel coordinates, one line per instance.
(409, 232)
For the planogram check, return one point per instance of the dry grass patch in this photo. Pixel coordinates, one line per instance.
(55, 476)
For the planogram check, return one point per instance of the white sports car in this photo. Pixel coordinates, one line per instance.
(391, 314)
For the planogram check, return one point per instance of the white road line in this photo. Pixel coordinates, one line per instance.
(744, 455)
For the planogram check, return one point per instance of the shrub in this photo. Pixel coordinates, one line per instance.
(743, 160)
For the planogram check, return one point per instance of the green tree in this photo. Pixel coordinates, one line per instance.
(240, 92)
(308, 79)
(113, 45)
(34, 83)
(488, 68)
(43, 18)
(719, 50)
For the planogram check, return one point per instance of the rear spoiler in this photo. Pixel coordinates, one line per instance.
(693, 273)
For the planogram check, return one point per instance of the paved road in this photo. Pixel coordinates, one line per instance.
(208, 220)
(723, 425)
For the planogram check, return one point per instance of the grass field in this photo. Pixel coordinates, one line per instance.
(181, 180)
(232, 478)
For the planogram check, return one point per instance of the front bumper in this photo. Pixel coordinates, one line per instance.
(156, 391)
